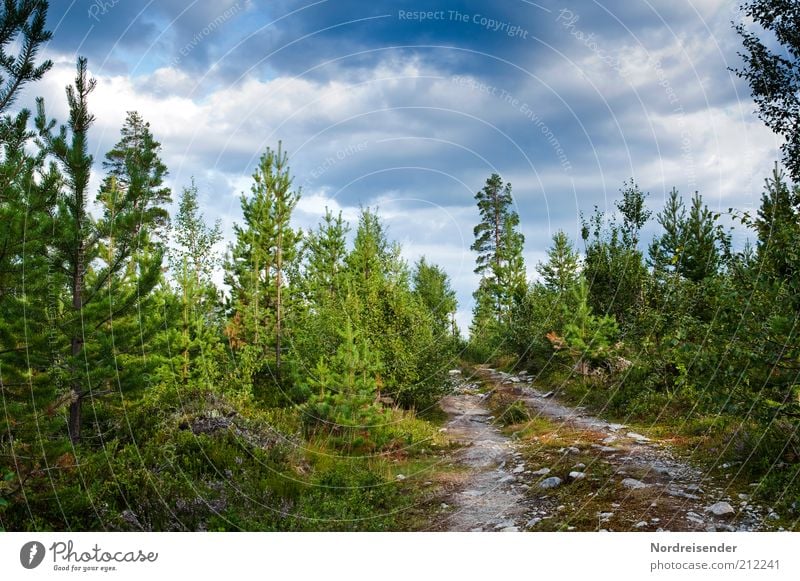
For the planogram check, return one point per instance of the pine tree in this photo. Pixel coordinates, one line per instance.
(22, 23)
(325, 250)
(692, 245)
(265, 248)
(108, 277)
(666, 251)
(778, 228)
(138, 174)
(324, 291)
(561, 271)
(499, 245)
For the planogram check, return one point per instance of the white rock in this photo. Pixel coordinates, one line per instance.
(519, 469)
(454, 372)
(509, 530)
(721, 509)
(577, 475)
(552, 482)
(640, 524)
(533, 522)
(579, 466)
(634, 484)
(638, 437)
(541, 472)
(400, 477)
(773, 516)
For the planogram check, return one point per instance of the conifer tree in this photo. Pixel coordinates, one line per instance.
(109, 284)
(266, 246)
(325, 250)
(692, 244)
(561, 271)
(499, 245)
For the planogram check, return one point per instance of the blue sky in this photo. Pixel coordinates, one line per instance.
(410, 106)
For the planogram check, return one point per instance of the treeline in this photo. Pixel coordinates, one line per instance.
(690, 332)
(136, 395)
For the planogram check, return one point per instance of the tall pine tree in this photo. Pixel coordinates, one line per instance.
(266, 247)
(499, 243)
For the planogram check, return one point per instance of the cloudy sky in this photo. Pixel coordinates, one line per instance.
(410, 105)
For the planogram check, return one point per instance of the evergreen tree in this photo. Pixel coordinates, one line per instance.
(499, 245)
(560, 272)
(345, 389)
(22, 25)
(325, 250)
(666, 250)
(266, 246)
(324, 290)
(137, 172)
(692, 246)
(108, 284)
(778, 229)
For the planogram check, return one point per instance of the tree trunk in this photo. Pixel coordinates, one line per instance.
(76, 345)
(278, 282)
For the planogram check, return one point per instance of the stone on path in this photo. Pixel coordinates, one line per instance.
(552, 482)
(634, 484)
(721, 509)
(638, 437)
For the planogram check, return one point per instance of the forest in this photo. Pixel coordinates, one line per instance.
(139, 395)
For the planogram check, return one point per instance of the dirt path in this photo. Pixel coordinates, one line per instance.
(487, 499)
(566, 470)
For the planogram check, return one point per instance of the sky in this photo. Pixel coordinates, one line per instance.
(409, 106)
